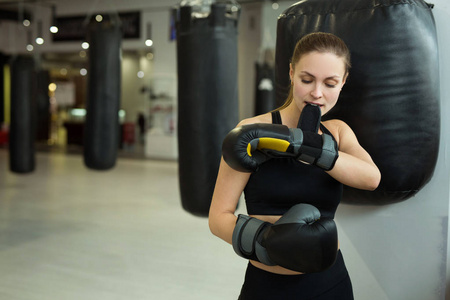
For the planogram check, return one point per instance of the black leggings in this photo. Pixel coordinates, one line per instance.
(332, 284)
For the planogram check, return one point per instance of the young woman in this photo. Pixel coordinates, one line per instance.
(319, 68)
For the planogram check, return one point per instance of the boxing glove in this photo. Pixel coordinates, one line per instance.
(246, 147)
(300, 240)
(319, 150)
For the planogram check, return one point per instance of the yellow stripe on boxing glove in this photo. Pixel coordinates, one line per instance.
(267, 143)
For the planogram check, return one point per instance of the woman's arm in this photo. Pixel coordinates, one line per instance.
(228, 190)
(354, 167)
(229, 186)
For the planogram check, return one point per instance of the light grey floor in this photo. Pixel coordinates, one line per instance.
(67, 232)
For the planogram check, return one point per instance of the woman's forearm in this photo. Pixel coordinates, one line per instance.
(355, 172)
(222, 225)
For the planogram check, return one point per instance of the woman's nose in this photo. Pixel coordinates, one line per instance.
(316, 92)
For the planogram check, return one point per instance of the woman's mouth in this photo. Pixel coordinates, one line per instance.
(314, 103)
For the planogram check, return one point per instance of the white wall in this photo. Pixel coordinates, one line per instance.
(270, 19)
(249, 39)
(133, 100)
(442, 16)
(257, 32)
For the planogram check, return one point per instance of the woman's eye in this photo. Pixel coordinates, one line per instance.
(330, 84)
(306, 81)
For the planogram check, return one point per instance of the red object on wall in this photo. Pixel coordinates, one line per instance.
(4, 137)
(128, 133)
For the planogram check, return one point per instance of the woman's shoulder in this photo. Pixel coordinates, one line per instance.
(335, 123)
(338, 128)
(264, 118)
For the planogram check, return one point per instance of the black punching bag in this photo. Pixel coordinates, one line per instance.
(23, 116)
(3, 61)
(265, 89)
(101, 131)
(207, 99)
(265, 100)
(391, 98)
(42, 106)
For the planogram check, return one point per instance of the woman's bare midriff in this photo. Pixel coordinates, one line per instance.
(272, 269)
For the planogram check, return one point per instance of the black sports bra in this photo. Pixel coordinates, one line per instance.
(281, 183)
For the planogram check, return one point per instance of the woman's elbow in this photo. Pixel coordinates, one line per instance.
(212, 224)
(374, 181)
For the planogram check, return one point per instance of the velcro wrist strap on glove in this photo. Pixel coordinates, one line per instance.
(311, 148)
(329, 154)
(320, 150)
(246, 239)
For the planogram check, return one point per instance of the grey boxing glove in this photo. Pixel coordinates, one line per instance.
(300, 240)
(247, 238)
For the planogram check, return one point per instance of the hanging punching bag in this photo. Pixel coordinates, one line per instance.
(265, 89)
(391, 98)
(207, 99)
(2, 88)
(101, 131)
(22, 126)
(42, 106)
(265, 100)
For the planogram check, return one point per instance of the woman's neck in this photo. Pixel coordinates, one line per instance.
(290, 115)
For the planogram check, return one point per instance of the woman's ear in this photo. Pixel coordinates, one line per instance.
(291, 72)
(344, 80)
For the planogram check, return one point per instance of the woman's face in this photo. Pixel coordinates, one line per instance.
(317, 78)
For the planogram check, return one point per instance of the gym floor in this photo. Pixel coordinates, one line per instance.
(68, 232)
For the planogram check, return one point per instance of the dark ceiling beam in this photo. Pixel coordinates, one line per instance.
(15, 2)
(13, 15)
